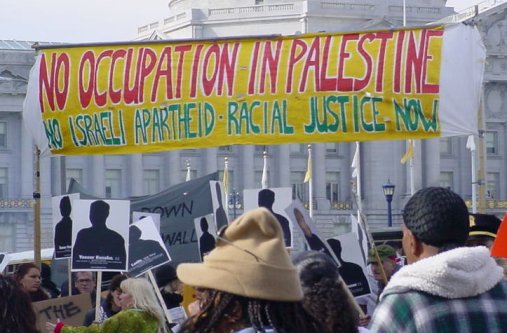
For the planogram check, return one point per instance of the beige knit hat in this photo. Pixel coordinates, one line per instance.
(249, 260)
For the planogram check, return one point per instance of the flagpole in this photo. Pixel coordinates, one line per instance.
(309, 179)
(471, 145)
(188, 177)
(225, 181)
(264, 180)
(404, 13)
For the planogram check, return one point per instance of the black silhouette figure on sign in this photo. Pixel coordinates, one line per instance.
(352, 273)
(63, 230)
(220, 216)
(99, 246)
(143, 249)
(266, 198)
(206, 241)
(314, 241)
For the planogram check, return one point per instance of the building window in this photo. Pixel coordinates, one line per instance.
(225, 148)
(3, 134)
(3, 183)
(151, 181)
(258, 179)
(492, 185)
(261, 149)
(77, 174)
(298, 186)
(333, 187)
(7, 237)
(446, 179)
(491, 142)
(445, 146)
(331, 148)
(298, 148)
(113, 183)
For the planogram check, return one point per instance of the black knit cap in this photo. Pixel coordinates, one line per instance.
(437, 216)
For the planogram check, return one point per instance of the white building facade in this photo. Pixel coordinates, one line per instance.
(437, 162)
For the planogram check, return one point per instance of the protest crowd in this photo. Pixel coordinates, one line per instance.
(444, 280)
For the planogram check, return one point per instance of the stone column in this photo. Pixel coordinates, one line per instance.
(98, 175)
(136, 174)
(319, 176)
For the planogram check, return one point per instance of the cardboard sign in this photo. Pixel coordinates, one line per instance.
(71, 310)
(146, 248)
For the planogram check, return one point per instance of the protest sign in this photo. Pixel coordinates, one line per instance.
(136, 216)
(70, 310)
(62, 224)
(220, 212)
(146, 248)
(352, 269)
(206, 232)
(4, 261)
(178, 206)
(276, 200)
(406, 83)
(299, 216)
(100, 234)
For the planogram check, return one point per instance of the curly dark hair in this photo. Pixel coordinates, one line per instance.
(324, 295)
(17, 314)
(225, 312)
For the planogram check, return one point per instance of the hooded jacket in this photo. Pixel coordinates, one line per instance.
(460, 290)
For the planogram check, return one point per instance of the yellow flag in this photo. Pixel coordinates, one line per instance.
(225, 179)
(308, 174)
(409, 154)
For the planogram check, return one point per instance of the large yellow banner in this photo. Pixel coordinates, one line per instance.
(149, 97)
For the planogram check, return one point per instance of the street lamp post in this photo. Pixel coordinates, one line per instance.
(234, 202)
(388, 193)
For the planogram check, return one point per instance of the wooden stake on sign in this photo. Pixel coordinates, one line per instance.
(97, 296)
(159, 296)
(36, 213)
(69, 273)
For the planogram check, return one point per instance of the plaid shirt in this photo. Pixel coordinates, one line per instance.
(416, 311)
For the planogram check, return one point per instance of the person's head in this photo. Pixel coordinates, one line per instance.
(16, 312)
(134, 233)
(167, 279)
(324, 295)
(138, 293)
(84, 282)
(300, 219)
(435, 220)
(248, 280)
(483, 229)
(204, 224)
(28, 276)
(99, 211)
(113, 296)
(266, 198)
(65, 206)
(387, 256)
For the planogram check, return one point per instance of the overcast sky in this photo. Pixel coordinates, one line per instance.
(90, 20)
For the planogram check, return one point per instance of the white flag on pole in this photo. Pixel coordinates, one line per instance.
(264, 180)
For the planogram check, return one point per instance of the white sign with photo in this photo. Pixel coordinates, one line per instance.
(275, 200)
(62, 224)
(146, 248)
(100, 235)
(206, 231)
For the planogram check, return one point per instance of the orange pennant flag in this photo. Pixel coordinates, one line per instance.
(499, 248)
